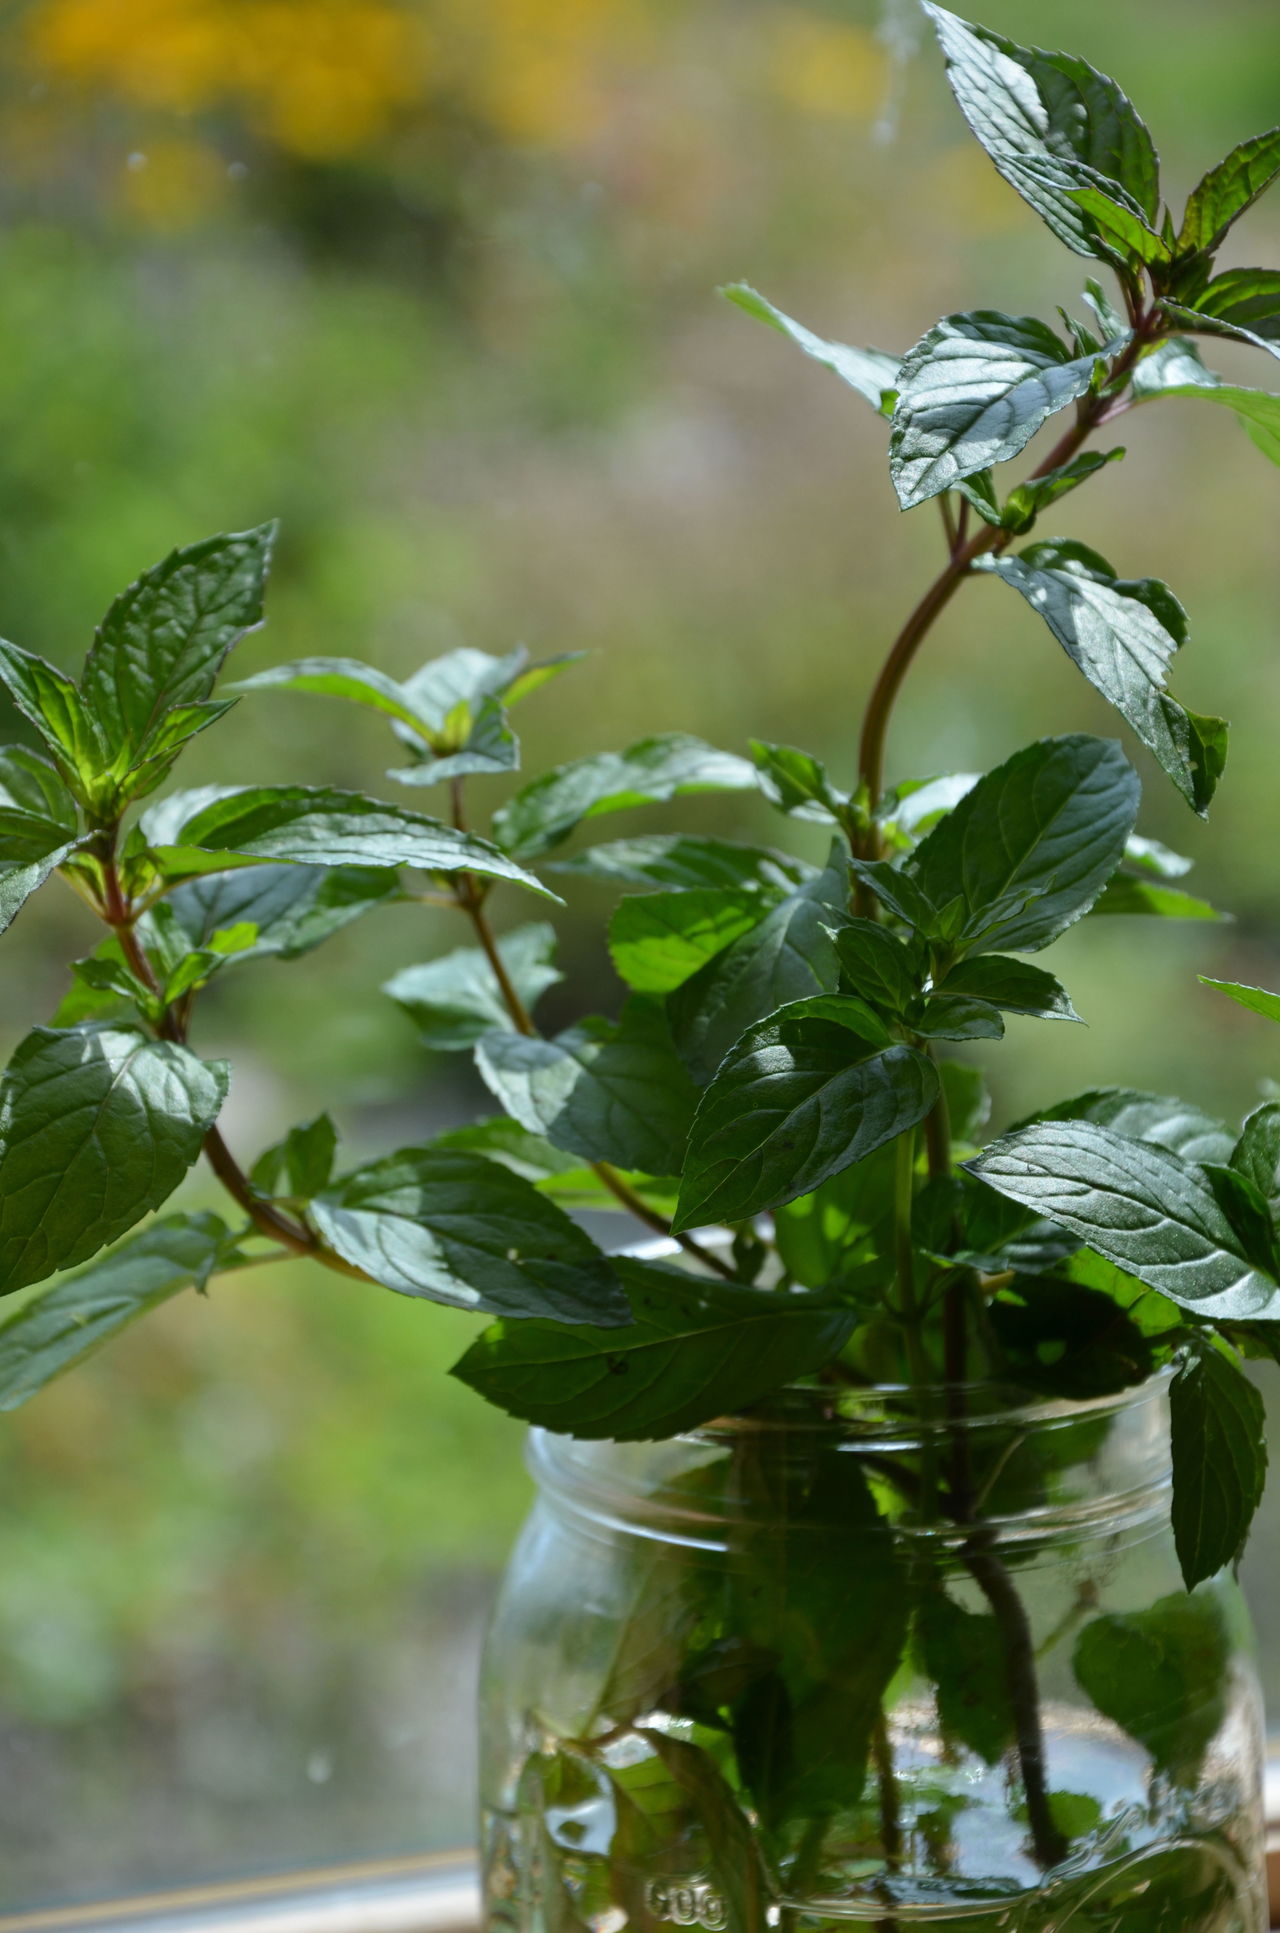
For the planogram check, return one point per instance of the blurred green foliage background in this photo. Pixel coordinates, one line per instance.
(433, 281)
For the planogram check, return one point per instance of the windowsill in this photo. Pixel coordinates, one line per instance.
(406, 1896)
(400, 1896)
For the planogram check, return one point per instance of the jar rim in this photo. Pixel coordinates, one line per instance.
(866, 1412)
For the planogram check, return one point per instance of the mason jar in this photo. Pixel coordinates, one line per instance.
(870, 1655)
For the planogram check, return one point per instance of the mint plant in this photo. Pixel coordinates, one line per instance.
(777, 1090)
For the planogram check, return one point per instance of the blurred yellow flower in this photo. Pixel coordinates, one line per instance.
(321, 78)
(827, 67)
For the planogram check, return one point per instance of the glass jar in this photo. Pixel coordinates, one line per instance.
(871, 1656)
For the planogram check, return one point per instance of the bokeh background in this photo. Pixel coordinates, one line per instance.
(433, 281)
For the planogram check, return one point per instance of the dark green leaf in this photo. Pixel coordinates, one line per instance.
(788, 956)
(964, 1653)
(796, 782)
(32, 848)
(1039, 114)
(1256, 999)
(1247, 1208)
(801, 1096)
(658, 940)
(1227, 190)
(300, 1165)
(1257, 1152)
(163, 642)
(692, 1351)
(458, 1229)
(608, 1090)
(973, 392)
(455, 1000)
(1204, 324)
(876, 965)
(1157, 1118)
(1028, 500)
(870, 371)
(736, 1860)
(1118, 222)
(1068, 1339)
(31, 786)
(1247, 297)
(1139, 1205)
(97, 1127)
(49, 700)
(1033, 844)
(1013, 985)
(681, 860)
(1126, 895)
(946, 1016)
(290, 908)
(824, 1234)
(60, 1327)
(899, 891)
(319, 826)
(1122, 634)
(1160, 1674)
(546, 811)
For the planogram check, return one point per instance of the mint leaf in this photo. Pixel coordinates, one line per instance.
(797, 783)
(1126, 895)
(57, 1329)
(1256, 999)
(1204, 323)
(1140, 1206)
(1160, 1674)
(1247, 1209)
(684, 860)
(467, 1232)
(1069, 1339)
(97, 1127)
(802, 1095)
(1176, 370)
(826, 1233)
(1033, 844)
(1122, 633)
(946, 1016)
(658, 940)
(290, 908)
(692, 1351)
(787, 957)
(870, 371)
(163, 642)
(1158, 1118)
(1015, 986)
(300, 1165)
(49, 700)
(39, 827)
(973, 392)
(608, 1090)
(448, 715)
(654, 769)
(876, 965)
(1228, 190)
(455, 1000)
(319, 826)
(964, 1654)
(1257, 1152)
(1028, 500)
(1248, 298)
(895, 888)
(1038, 114)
